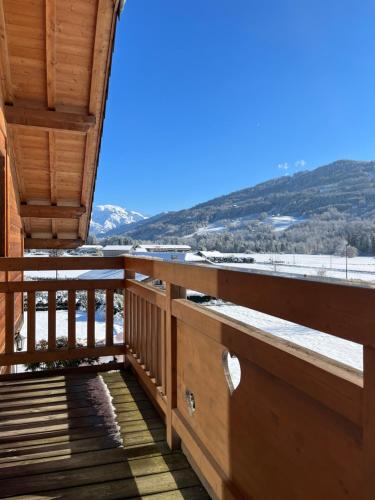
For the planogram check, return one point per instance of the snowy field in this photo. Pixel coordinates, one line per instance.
(322, 266)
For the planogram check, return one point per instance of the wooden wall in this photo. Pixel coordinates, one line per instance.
(11, 235)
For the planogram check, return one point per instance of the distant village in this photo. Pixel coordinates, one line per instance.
(179, 253)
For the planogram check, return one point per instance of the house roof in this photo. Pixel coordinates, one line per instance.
(54, 65)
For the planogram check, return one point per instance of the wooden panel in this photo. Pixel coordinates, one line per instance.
(267, 439)
(369, 421)
(334, 385)
(339, 309)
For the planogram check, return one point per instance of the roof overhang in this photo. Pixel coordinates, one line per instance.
(54, 64)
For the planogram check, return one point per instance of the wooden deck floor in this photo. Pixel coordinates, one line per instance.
(60, 438)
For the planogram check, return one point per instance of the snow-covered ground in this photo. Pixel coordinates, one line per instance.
(41, 327)
(282, 222)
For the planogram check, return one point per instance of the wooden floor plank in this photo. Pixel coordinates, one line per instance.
(126, 469)
(123, 488)
(193, 493)
(96, 436)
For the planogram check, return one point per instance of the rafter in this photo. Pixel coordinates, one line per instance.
(51, 52)
(51, 212)
(48, 120)
(51, 243)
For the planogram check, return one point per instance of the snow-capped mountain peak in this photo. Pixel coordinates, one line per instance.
(107, 217)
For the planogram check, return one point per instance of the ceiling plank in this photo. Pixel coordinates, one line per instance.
(48, 120)
(51, 212)
(51, 243)
(5, 76)
(51, 52)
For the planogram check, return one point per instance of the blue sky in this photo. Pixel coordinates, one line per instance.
(210, 96)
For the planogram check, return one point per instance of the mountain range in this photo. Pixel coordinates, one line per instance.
(347, 186)
(106, 218)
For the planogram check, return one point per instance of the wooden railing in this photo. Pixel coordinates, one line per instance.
(10, 356)
(298, 426)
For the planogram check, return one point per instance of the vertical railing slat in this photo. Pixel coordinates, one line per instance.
(51, 320)
(109, 318)
(91, 318)
(31, 321)
(139, 326)
(147, 335)
(162, 352)
(153, 341)
(71, 319)
(158, 346)
(9, 322)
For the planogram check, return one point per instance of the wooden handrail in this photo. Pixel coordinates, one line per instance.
(55, 285)
(59, 263)
(342, 310)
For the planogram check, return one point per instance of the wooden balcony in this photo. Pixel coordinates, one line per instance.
(298, 426)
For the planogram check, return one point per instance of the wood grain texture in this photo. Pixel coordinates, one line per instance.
(84, 448)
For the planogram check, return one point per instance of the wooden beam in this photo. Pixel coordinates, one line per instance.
(51, 212)
(53, 263)
(60, 354)
(55, 285)
(51, 94)
(52, 243)
(48, 120)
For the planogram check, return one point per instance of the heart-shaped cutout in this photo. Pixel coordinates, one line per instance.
(232, 370)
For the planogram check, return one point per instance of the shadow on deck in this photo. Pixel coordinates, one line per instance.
(63, 437)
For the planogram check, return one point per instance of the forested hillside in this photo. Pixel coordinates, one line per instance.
(316, 211)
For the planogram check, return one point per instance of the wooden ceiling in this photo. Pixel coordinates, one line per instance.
(54, 64)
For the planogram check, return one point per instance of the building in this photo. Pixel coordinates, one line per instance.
(114, 250)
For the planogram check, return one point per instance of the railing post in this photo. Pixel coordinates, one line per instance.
(368, 421)
(172, 292)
